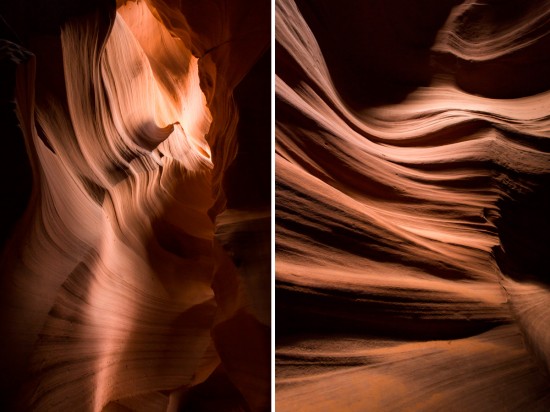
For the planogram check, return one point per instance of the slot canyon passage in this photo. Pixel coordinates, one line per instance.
(135, 205)
(412, 205)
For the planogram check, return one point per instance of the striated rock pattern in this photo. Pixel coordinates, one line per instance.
(135, 270)
(412, 212)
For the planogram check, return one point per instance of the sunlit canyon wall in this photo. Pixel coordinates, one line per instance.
(135, 221)
(412, 212)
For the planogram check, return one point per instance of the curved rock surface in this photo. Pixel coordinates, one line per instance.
(127, 283)
(413, 189)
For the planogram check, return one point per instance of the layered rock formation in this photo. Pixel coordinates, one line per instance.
(130, 280)
(413, 189)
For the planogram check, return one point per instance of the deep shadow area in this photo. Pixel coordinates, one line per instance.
(377, 51)
(330, 313)
(216, 392)
(247, 181)
(14, 161)
(524, 231)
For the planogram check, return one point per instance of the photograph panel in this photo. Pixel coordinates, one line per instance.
(136, 224)
(412, 190)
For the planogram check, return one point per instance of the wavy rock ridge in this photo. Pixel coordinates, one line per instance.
(118, 289)
(412, 187)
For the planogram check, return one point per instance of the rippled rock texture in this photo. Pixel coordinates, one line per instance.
(412, 217)
(135, 170)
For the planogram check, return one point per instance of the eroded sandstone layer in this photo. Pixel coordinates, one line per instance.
(412, 212)
(135, 270)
